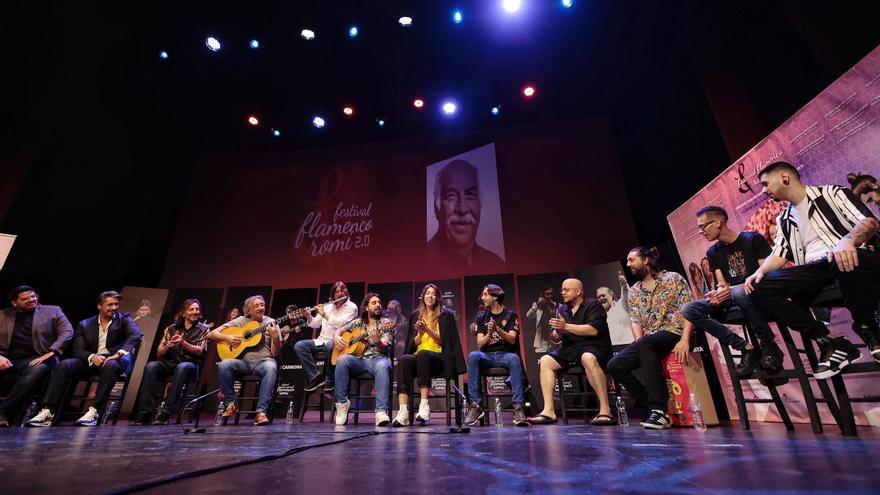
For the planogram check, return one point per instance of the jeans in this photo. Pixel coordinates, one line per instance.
(305, 350)
(379, 368)
(30, 380)
(645, 353)
(508, 360)
(701, 313)
(266, 370)
(155, 372)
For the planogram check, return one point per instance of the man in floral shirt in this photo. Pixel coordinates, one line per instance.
(655, 303)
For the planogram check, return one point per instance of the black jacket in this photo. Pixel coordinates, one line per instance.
(123, 334)
(450, 342)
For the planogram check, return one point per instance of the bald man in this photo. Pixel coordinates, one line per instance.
(457, 207)
(582, 329)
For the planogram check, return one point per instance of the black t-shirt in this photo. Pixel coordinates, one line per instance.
(22, 344)
(590, 312)
(738, 259)
(506, 320)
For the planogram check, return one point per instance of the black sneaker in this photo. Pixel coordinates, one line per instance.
(474, 414)
(314, 384)
(751, 359)
(329, 387)
(141, 419)
(871, 337)
(161, 418)
(519, 416)
(771, 362)
(657, 420)
(836, 355)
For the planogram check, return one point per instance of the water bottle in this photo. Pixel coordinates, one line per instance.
(498, 421)
(622, 417)
(108, 413)
(697, 414)
(289, 417)
(31, 411)
(218, 418)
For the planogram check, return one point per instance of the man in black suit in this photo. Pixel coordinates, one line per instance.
(102, 346)
(32, 337)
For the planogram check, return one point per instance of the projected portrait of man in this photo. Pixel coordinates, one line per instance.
(457, 207)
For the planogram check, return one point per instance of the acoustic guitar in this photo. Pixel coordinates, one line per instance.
(355, 339)
(251, 334)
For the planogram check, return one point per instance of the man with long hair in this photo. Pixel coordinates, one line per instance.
(331, 317)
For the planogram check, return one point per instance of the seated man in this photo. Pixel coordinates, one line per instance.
(179, 355)
(731, 259)
(582, 328)
(374, 361)
(331, 317)
(824, 232)
(497, 331)
(32, 337)
(655, 303)
(102, 345)
(257, 360)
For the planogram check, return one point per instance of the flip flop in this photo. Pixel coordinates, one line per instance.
(542, 419)
(599, 421)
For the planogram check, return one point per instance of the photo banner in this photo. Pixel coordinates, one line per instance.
(833, 139)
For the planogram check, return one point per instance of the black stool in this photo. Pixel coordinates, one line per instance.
(255, 380)
(320, 359)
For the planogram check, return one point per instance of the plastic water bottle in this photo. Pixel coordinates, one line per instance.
(498, 421)
(622, 417)
(108, 413)
(218, 418)
(697, 414)
(289, 417)
(31, 411)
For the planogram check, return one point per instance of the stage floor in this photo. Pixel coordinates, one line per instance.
(428, 460)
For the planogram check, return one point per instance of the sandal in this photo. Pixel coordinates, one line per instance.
(542, 419)
(603, 420)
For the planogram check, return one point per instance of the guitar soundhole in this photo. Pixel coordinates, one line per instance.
(247, 335)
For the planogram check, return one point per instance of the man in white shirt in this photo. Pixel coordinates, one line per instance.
(331, 316)
(618, 312)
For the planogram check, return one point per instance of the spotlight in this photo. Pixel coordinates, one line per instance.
(348, 111)
(495, 110)
(457, 16)
(213, 44)
(353, 31)
(318, 122)
(418, 103)
(254, 44)
(163, 55)
(529, 91)
(405, 21)
(253, 120)
(449, 108)
(380, 122)
(567, 3)
(511, 6)
(307, 34)
(276, 133)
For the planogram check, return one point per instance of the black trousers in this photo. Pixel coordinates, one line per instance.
(784, 295)
(75, 368)
(423, 365)
(30, 380)
(645, 353)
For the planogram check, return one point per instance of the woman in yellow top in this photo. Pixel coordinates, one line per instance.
(433, 349)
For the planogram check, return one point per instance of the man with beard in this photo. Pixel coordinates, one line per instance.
(331, 317)
(582, 329)
(457, 208)
(32, 337)
(618, 312)
(655, 303)
(102, 345)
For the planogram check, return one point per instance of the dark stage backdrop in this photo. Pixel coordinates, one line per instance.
(360, 213)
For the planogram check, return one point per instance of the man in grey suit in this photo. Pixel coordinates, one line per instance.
(32, 338)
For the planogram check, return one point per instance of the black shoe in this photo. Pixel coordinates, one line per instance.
(474, 414)
(161, 418)
(4, 423)
(771, 362)
(141, 419)
(836, 355)
(870, 335)
(314, 384)
(751, 359)
(329, 387)
(657, 420)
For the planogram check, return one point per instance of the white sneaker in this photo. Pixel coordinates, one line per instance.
(43, 418)
(382, 418)
(424, 414)
(90, 418)
(342, 412)
(402, 418)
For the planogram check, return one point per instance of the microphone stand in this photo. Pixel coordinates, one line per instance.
(460, 399)
(198, 401)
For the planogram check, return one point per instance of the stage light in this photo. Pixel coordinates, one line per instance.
(307, 34)
(405, 21)
(254, 44)
(253, 120)
(353, 31)
(567, 3)
(418, 103)
(529, 91)
(449, 108)
(163, 55)
(276, 133)
(213, 44)
(318, 122)
(348, 111)
(495, 110)
(457, 16)
(380, 122)
(511, 6)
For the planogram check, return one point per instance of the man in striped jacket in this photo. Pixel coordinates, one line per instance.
(823, 232)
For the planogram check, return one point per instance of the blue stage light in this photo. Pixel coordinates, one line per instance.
(449, 108)
(380, 122)
(495, 110)
(163, 55)
(254, 44)
(213, 44)
(318, 122)
(567, 3)
(405, 21)
(276, 133)
(353, 31)
(511, 6)
(457, 16)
